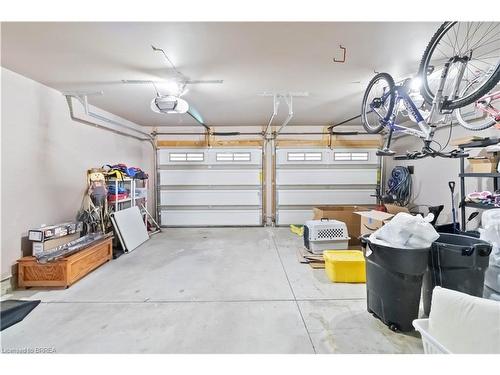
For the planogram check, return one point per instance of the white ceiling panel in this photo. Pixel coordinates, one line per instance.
(249, 57)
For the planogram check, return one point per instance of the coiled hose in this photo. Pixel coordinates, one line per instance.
(399, 185)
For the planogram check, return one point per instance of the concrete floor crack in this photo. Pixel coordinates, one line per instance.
(293, 292)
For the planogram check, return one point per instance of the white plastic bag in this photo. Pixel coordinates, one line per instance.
(491, 234)
(406, 231)
(490, 217)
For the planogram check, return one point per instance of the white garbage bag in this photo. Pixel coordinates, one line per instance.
(406, 231)
(490, 217)
(490, 232)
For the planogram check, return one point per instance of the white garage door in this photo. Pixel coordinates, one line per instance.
(210, 186)
(306, 178)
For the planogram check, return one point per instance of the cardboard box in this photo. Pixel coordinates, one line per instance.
(372, 220)
(41, 247)
(465, 140)
(486, 164)
(54, 231)
(395, 209)
(345, 214)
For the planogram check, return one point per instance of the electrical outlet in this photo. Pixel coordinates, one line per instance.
(411, 169)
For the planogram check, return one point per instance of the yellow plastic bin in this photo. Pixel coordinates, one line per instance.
(345, 266)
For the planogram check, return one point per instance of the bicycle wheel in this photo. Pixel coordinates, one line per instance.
(378, 103)
(478, 44)
(472, 117)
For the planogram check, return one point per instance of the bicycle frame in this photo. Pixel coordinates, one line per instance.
(426, 128)
(402, 96)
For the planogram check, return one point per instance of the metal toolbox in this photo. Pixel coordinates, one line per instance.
(324, 234)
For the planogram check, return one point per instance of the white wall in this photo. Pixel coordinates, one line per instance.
(45, 156)
(430, 180)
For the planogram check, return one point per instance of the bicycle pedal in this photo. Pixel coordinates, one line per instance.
(385, 152)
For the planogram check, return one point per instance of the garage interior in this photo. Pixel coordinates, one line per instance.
(186, 166)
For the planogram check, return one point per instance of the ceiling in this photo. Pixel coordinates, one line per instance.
(250, 57)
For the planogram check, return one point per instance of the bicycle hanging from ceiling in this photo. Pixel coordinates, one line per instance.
(460, 66)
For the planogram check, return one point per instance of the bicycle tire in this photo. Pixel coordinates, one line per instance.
(422, 72)
(469, 126)
(364, 121)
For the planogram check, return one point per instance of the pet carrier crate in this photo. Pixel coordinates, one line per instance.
(325, 234)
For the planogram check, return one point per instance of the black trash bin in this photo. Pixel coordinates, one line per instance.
(393, 283)
(456, 262)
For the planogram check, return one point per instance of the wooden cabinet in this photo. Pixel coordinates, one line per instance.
(65, 271)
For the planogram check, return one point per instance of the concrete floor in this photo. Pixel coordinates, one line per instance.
(199, 290)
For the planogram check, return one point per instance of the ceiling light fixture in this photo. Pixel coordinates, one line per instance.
(169, 104)
(170, 87)
(416, 83)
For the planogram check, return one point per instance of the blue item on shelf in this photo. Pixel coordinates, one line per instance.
(112, 189)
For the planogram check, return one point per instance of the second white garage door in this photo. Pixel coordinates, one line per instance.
(210, 186)
(306, 178)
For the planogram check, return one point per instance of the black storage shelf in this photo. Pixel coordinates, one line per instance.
(463, 175)
(488, 175)
(483, 143)
(479, 205)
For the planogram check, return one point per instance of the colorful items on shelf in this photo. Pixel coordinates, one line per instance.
(117, 189)
(121, 171)
(117, 192)
(117, 197)
(484, 197)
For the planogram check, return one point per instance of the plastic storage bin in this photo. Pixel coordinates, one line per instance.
(345, 266)
(141, 193)
(456, 262)
(393, 283)
(117, 197)
(464, 324)
(431, 345)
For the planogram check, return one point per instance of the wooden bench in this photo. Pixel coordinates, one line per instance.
(65, 271)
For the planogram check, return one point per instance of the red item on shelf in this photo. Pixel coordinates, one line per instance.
(117, 197)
